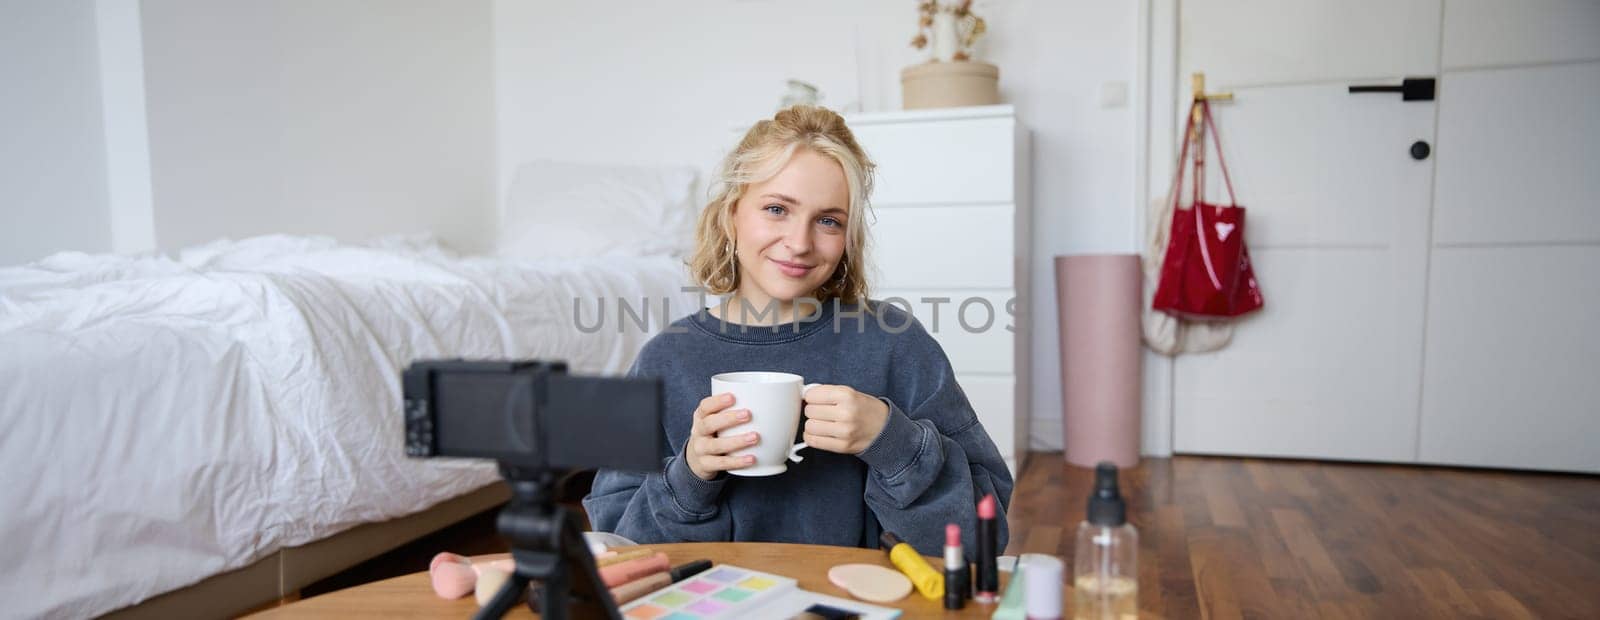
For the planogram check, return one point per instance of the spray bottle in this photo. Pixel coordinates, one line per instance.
(1105, 565)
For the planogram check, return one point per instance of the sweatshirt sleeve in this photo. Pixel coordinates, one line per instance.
(671, 505)
(933, 460)
(668, 505)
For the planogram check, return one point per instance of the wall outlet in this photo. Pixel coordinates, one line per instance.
(1114, 94)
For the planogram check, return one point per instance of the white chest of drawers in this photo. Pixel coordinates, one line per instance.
(950, 241)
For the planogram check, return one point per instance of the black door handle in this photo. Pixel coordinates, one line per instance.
(1410, 89)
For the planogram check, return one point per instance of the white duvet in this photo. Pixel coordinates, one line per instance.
(165, 420)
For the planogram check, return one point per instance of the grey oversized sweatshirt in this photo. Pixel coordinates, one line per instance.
(930, 465)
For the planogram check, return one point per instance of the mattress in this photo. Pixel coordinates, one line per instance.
(167, 419)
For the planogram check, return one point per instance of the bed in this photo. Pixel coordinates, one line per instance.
(229, 416)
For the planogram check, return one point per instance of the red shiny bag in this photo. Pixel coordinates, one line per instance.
(1206, 272)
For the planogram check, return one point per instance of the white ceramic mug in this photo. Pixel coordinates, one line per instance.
(774, 400)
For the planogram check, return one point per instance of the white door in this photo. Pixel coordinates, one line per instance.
(1337, 227)
(1411, 313)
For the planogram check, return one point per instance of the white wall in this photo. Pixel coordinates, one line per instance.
(164, 123)
(122, 98)
(665, 82)
(660, 82)
(52, 162)
(1084, 157)
(350, 118)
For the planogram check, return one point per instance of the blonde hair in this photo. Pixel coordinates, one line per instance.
(765, 149)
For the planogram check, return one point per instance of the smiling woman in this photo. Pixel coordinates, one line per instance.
(894, 443)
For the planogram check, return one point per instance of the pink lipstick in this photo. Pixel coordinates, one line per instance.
(957, 579)
(988, 539)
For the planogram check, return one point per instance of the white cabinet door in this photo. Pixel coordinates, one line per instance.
(1513, 348)
(951, 161)
(950, 247)
(1513, 371)
(1519, 156)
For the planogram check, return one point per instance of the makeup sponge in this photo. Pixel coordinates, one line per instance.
(452, 575)
(871, 583)
(489, 581)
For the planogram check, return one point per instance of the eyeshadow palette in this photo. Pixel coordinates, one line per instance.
(722, 592)
(732, 592)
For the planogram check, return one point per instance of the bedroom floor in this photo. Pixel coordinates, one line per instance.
(1229, 537)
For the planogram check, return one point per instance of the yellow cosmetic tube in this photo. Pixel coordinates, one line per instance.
(928, 581)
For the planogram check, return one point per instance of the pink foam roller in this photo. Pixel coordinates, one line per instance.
(1098, 299)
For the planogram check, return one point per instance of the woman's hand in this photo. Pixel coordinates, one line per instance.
(840, 419)
(706, 453)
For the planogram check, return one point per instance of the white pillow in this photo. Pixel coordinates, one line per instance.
(571, 210)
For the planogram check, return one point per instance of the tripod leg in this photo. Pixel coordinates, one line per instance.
(554, 604)
(503, 599)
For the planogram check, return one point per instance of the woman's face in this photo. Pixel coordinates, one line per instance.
(790, 230)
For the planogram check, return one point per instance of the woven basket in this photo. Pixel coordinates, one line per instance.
(949, 85)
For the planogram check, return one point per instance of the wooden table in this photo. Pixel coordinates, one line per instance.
(411, 596)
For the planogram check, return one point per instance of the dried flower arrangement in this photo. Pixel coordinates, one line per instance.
(954, 20)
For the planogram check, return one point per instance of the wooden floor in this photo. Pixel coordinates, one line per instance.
(1230, 538)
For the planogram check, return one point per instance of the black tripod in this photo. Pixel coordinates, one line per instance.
(547, 546)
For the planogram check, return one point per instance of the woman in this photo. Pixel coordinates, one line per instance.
(895, 443)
